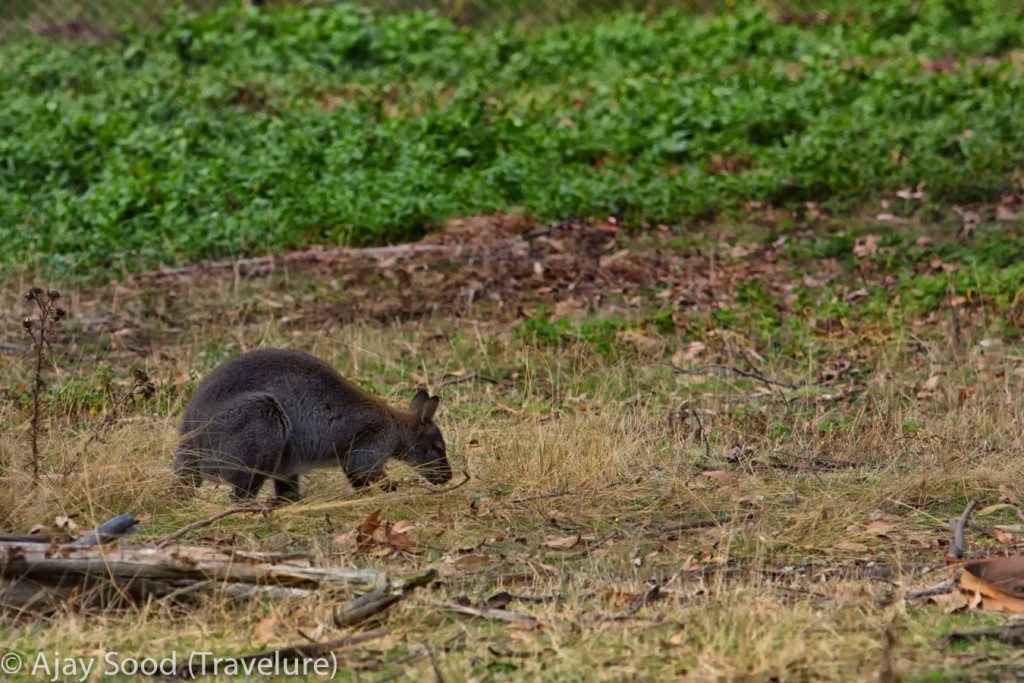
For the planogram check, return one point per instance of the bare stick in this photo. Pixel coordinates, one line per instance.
(199, 524)
(302, 651)
(550, 494)
(496, 614)
(378, 600)
(467, 378)
(437, 492)
(750, 374)
(40, 329)
(703, 434)
(956, 549)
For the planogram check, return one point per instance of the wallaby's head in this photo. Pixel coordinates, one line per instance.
(427, 453)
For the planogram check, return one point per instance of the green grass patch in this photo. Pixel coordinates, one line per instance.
(240, 132)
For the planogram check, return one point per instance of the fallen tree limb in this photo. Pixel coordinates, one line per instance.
(496, 614)
(39, 575)
(379, 599)
(199, 524)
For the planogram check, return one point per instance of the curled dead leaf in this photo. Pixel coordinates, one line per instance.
(995, 583)
(563, 542)
(851, 546)
(265, 630)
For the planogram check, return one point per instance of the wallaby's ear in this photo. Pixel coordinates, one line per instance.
(428, 409)
(418, 400)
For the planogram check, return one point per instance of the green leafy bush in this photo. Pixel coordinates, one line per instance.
(243, 132)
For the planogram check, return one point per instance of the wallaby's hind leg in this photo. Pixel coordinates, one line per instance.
(287, 488)
(242, 443)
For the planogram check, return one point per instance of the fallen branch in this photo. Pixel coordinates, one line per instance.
(496, 614)
(379, 599)
(700, 523)
(1012, 635)
(249, 664)
(185, 562)
(467, 378)
(750, 374)
(956, 548)
(199, 524)
(938, 589)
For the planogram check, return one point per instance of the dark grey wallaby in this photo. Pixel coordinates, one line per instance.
(278, 413)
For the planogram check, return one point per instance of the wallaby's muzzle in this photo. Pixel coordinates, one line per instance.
(437, 472)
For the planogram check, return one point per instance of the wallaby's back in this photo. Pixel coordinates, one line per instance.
(312, 394)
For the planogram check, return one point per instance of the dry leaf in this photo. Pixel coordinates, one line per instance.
(677, 638)
(996, 583)
(563, 542)
(471, 560)
(688, 352)
(402, 526)
(398, 540)
(65, 523)
(866, 246)
(851, 546)
(264, 630)
(879, 528)
(725, 478)
(367, 528)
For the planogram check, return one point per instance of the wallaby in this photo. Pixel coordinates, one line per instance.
(278, 413)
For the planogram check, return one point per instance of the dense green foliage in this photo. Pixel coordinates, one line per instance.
(239, 132)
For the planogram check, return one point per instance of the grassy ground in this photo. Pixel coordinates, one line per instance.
(887, 393)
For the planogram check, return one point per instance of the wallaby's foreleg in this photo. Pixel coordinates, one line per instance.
(187, 469)
(287, 488)
(245, 485)
(364, 465)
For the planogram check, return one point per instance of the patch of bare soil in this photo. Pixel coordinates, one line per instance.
(499, 266)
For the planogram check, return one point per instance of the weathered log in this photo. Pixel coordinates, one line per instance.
(38, 561)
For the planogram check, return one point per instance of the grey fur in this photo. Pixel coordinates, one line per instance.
(276, 413)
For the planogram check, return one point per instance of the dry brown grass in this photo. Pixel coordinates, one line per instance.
(767, 594)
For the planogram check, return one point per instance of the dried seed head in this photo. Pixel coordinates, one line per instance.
(140, 375)
(27, 323)
(37, 290)
(54, 294)
(59, 313)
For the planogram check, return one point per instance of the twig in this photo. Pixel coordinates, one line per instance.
(437, 492)
(938, 589)
(496, 614)
(550, 494)
(701, 523)
(467, 378)
(703, 434)
(302, 651)
(956, 549)
(739, 371)
(559, 494)
(380, 599)
(1012, 634)
(40, 329)
(199, 524)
